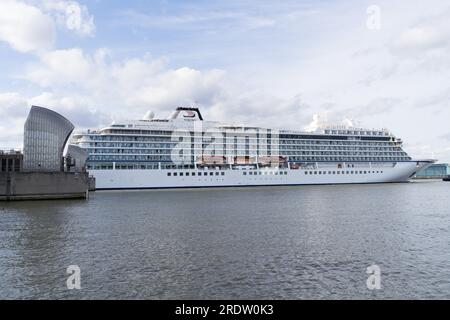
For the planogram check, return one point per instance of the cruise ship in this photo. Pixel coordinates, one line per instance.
(186, 151)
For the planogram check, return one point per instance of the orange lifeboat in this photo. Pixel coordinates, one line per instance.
(242, 160)
(208, 160)
(272, 160)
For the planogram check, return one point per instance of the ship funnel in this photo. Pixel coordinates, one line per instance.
(149, 115)
(187, 114)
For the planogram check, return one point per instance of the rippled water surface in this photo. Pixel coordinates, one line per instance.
(284, 242)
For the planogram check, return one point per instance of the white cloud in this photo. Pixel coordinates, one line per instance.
(72, 15)
(14, 110)
(429, 32)
(420, 38)
(61, 67)
(180, 86)
(199, 18)
(29, 26)
(134, 85)
(24, 27)
(315, 123)
(128, 88)
(13, 105)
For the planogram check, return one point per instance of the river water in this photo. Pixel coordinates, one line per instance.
(249, 243)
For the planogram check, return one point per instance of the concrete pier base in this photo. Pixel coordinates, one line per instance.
(43, 185)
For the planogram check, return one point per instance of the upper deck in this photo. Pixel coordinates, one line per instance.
(156, 140)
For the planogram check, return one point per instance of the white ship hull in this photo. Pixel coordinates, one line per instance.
(160, 179)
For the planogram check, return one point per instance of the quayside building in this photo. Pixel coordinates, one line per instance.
(436, 171)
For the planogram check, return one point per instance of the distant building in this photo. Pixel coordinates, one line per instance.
(45, 137)
(11, 161)
(436, 171)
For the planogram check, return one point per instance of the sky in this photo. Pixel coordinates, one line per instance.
(289, 64)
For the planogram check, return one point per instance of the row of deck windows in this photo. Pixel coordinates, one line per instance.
(164, 158)
(127, 149)
(222, 173)
(162, 132)
(342, 148)
(284, 144)
(350, 159)
(259, 173)
(340, 172)
(193, 174)
(147, 136)
(304, 153)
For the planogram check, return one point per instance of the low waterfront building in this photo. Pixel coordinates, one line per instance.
(11, 161)
(436, 171)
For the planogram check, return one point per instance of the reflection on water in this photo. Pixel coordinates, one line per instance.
(285, 242)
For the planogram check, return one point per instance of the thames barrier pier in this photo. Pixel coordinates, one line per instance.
(42, 171)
